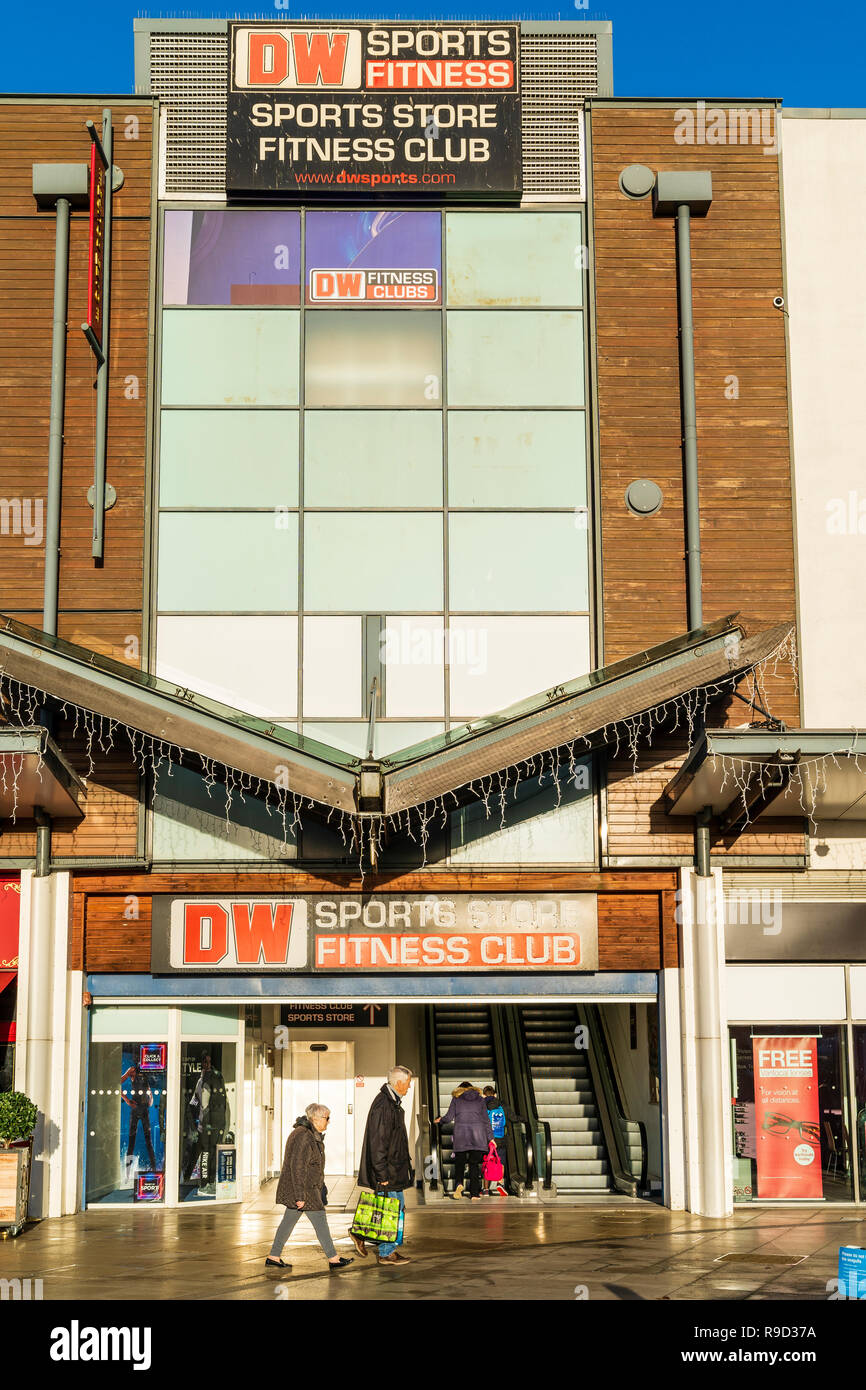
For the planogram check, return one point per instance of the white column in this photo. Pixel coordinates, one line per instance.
(706, 1079)
(48, 1065)
(671, 1097)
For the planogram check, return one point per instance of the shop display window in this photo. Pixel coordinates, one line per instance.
(790, 1132)
(208, 1122)
(126, 1122)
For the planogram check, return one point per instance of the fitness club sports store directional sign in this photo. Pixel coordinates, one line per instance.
(411, 108)
(381, 933)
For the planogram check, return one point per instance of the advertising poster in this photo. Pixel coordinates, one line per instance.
(787, 1129)
(226, 1172)
(390, 258)
(232, 256)
(142, 1120)
(744, 1129)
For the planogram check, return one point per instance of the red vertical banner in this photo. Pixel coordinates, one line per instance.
(96, 244)
(787, 1122)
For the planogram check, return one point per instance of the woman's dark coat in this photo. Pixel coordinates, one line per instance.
(385, 1151)
(472, 1127)
(303, 1172)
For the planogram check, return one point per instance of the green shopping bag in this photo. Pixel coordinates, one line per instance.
(376, 1218)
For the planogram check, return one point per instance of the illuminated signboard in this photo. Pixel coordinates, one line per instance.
(411, 108)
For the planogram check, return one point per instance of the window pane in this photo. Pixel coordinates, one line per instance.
(228, 458)
(359, 561)
(413, 652)
(215, 561)
(373, 458)
(232, 257)
(355, 357)
(363, 244)
(192, 820)
(537, 830)
(229, 357)
(500, 359)
(497, 661)
(251, 663)
(521, 259)
(502, 562)
(516, 458)
(353, 738)
(332, 668)
(208, 1117)
(126, 1114)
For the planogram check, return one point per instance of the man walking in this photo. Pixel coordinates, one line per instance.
(385, 1165)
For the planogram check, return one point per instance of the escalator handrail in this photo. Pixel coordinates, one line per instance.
(608, 1105)
(616, 1086)
(529, 1152)
(433, 1098)
(547, 1180)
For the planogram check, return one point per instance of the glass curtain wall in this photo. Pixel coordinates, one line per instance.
(372, 462)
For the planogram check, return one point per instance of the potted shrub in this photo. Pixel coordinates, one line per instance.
(17, 1123)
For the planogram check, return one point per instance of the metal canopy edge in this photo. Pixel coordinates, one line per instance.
(794, 772)
(578, 710)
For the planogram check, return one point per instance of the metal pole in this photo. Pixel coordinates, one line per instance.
(102, 371)
(43, 843)
(702, 842)
(690, 427)
(55, 429)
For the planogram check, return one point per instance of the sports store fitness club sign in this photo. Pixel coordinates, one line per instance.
(382, 933)
(373, 108)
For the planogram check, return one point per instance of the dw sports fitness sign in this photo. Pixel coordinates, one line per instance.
(416, 108)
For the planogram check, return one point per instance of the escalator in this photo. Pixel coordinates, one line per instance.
(463, 1051)
(574, 1137)
(565, 1098)
(466, 1043)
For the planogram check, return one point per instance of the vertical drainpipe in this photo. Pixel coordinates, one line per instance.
(55, 429)
(690, 420)
(683, 195)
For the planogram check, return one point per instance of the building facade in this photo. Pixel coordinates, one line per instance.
(423, 691)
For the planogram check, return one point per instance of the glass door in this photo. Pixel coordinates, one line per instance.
(208, 1121)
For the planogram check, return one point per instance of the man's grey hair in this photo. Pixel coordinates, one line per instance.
(315, 1112)
(399, 1074)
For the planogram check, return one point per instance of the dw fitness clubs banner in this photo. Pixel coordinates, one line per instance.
(385, 933)
(417, 108)
(787, 1121)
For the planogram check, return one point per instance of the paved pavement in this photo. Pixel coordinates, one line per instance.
(498, 1249)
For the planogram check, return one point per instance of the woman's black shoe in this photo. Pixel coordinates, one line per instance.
(274, 1262)
(339, 1264)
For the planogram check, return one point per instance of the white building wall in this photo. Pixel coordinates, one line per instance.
(823, 158)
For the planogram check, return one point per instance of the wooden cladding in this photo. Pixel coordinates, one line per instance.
(100, 605)
(111, 919)
(747, 534)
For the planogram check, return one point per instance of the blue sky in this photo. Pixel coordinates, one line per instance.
(806, 54)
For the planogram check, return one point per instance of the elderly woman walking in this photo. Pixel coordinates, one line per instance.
(301, 1185)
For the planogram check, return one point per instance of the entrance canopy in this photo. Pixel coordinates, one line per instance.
(575, 716)
(743, 774)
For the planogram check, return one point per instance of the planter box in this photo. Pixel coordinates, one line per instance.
(14, 1186)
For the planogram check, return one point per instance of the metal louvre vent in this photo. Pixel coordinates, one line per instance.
(557, 71)
(188, 75)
